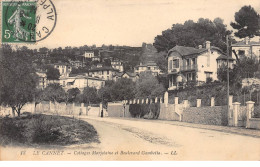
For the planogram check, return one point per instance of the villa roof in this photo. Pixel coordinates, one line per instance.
(130, 74)
(103, 69)
(62, 64)
(242, 43)
(185, 51)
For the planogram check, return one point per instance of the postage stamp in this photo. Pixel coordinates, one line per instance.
(27, 21)
(18, 21)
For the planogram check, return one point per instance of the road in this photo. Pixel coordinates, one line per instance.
(172, 141)
(137, 139)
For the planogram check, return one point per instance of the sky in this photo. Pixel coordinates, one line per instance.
(130, 22)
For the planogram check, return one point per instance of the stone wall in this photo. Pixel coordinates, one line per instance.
(216, 115)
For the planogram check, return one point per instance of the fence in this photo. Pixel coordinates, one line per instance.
(160, 108)
(75, 109)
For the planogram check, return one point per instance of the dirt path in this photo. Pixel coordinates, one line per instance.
(189, 143)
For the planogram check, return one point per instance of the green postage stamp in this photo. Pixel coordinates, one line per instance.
(19, 21)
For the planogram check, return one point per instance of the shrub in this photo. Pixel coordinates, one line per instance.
(45, 129)
(140, 110)
(11, 131)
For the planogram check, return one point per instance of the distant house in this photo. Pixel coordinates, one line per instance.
(42, 79)
(131, 76)
(148, 67)
(88, 54)
(128, 75)
(64, 68)
(190, 64)
(95, 58)
(247, 48)
(76, 64)
(105, 73)
(81, 81)
(117, 64)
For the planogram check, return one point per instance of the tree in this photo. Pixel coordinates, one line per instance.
(247, 22)
(72, 94)
(122, 89)
(55, 93)
(43, 50)
(90, 95)
(193, 34)
(148, 86)
(52, 73)
(17, 80)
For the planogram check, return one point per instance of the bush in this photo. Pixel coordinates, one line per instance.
(11, 131)
(140, 110)
(45, 129)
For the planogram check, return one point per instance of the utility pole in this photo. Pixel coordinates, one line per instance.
(227, 74)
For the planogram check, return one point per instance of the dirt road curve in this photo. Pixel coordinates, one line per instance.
(132, 139)
(173, 142)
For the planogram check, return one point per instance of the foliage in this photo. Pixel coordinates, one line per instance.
(247, 22)
(122, 89)
(79, 70)
(45, 129)
(11, 131)
(17, 79)
(234, 75)
(52, 73)
(193, 34)
(72, 94)
(143, 110)
(246, 68)
(148, 86)
(55, 93)
(89, 95)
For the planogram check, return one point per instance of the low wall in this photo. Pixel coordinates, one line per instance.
(216, 115)
(168, 112)
(61, 108)
(115, 109)
(254, 123)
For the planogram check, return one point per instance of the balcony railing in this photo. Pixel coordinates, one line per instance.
(187, 68)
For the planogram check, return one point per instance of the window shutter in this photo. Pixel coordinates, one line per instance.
(170, 64)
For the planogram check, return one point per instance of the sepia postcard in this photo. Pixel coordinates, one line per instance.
(130, 80)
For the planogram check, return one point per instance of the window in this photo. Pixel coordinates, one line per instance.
(63, 83)
(193, 60)
(241, 52)
(188, 62)
(189, 76)
(208, 74)
(194, 76)
(107, 72)
(175, 63)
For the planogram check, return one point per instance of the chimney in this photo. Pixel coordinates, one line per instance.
(246, 40)
(207, 44)
(200, 46)
(141, 63)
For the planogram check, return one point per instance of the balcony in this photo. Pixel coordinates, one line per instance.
(189, 68)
